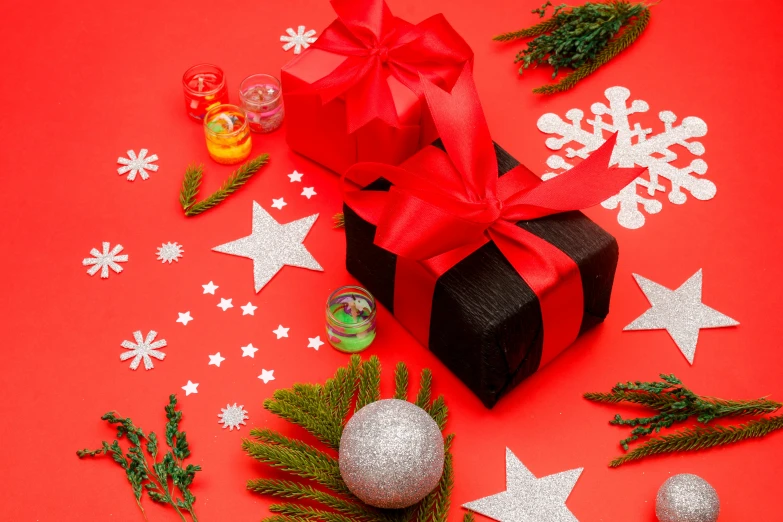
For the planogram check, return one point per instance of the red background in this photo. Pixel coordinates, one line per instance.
(83, 84)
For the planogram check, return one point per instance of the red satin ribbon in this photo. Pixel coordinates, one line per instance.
(442, 207)
(377, 44)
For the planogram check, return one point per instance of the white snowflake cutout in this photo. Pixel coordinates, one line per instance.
(299, 39)
(104, 260)
(653, 152)
(232, 416)
(137, 165)
(143, 349)
(169, 252)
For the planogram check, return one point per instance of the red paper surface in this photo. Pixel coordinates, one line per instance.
(83, 84)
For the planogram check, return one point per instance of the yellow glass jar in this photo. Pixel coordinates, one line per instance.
(228, 134)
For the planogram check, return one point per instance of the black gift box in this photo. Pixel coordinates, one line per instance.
(486, 324)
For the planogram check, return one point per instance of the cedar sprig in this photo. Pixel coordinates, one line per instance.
(194, 174)
(674, 403)
(692, 439)
(323, 411)
(581, 38)
(160, 477)
(338, 220)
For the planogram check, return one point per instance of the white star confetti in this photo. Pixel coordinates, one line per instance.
(281, 331)
(249, 351)
(137, 165)
(299, 39)
(105, 260)
(143, 349)
(225, 304)
(184, 318)
(295, 176)
(248, 309)
(232, 416)
(680, 312)
(309, 192)
(190, 387)
(527, 498)
(210, 288)
(272, 246)
(278, 203)
(216, 360)
(169, 252)
(267, 375)
(315, 342)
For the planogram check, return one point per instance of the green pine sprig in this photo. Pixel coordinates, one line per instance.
(166, 479)
(318, 492)
(581, 38)
(339, 220)
(674, 403)
(192, 181)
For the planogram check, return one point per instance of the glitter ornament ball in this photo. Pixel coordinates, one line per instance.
(687, 498)
(391, 454)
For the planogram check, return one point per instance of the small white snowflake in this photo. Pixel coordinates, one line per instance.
(143, 349)
(633, 147)
(104, 260)
(137, 165)
(299, 39)
(232, 416)
(169, 252)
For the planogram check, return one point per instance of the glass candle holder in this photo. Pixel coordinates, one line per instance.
(228, 134)
(262, 99)
(350, 319)
(205, 88)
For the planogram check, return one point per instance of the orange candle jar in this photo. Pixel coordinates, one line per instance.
(228, 134)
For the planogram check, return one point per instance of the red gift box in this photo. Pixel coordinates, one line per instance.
(355, 95)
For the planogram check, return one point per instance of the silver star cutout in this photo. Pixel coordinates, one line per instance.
(272, 246)
(527, 498)
(680, 312)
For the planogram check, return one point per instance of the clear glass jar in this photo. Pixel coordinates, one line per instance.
(227, 134)
(205, 88)
(262, 99)
(350, 319)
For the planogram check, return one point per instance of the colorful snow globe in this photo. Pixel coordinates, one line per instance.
(350, 319)
(227, 134)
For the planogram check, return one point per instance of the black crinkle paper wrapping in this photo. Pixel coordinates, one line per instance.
(486, 322)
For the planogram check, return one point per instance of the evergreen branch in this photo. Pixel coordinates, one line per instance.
(540, 28)
(439, 412)
(615, 47)
(268, 436)
(401, 382)
(469, 517)
(338, 220)
(294, 490)
(446, 485)
(308, 513)
(369, 382)
(692, 439)
(192, 182)
(425, 391)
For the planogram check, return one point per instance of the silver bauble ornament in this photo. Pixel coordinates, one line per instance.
(687, 498)
(391, 454)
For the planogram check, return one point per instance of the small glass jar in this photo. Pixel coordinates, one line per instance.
(228, 134)
(205, 87)
(262, 98)
(350, 319)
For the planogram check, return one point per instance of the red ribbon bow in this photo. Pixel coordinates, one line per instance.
(378, 44)
(442, 207)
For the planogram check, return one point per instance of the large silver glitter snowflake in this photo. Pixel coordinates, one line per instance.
(298, 39)
(137, 164)
(232, 416)
(143, 349)
(105, 260)
(633, 148)
(169, 252)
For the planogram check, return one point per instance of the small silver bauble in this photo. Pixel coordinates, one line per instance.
(687, 498)
(391, 454)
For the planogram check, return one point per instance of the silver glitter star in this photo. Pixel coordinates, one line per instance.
(271, 245)
(527, 498)
(680, 312)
